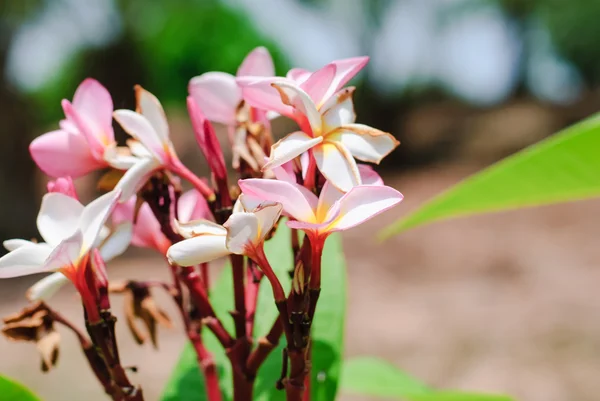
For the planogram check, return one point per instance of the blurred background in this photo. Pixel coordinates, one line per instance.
(505, 303)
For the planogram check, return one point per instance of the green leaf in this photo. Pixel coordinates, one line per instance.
(13, 391)
(369, 376)
(562, 168)
(373, 376)
(186, 382)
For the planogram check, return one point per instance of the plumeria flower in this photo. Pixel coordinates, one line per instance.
(217, 93)
(332, 211)
(243, 233)
(152, 147)
(146, 229)
(326, 117)
(85, 137)
(71, 232)
(219, 97)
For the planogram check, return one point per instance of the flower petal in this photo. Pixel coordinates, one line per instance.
(196, 250)
(94, 102)
(298, 75)
(296, 203)
(12, 244)
(27, 259)
(45, 288)
(94, 217)
(149, 106)
(290, 146)
(268, 214)
(368, 175)
(242, 232)
(218, 96)
(365, 143)
(199, 227)
(317, 84)
(327, 198)
(285, 172)
(66, 255)
(58, 217)
(259, 93)
(139, 127)
(117, 242)
(339, 110)
(192, 206)
(257, 63)
(135, 178)
(346, 69)
(363, 203)
(337, 165)
(61, 153)
(292, 95)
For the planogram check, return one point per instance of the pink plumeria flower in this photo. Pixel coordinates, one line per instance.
(326, 117)
(81, 145)
(71, 232)
(152, 148)
(218, 95)
(147, 231)
(332, 211)
(243, 234)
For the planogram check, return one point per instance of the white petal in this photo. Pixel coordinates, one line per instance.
(366, 143)
(94, 217)
(66, 254)
(45, 288)
(135, 178)
(267, 214)
(58, 217)
(141, 129)
(292, 95)
(337, 165)
(362, 203)
(117, 242)
(12, 244)
(117, 158)
(339, 110)
(202, 249)
(199, 227)
(290, 146)
(242, 232)
(150, 107)
(27, 259)
(248, 203)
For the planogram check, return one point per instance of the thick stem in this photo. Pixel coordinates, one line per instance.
(265, 346)
(253, 278)
(239, 294)
(204, 273)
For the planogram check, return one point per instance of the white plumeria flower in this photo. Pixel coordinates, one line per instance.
(326, 118)
(152, 148)
(112, 246)
(70, 232)
(243, 233)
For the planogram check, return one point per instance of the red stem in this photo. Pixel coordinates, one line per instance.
(179, 168)
(205, 276)
(253, 279)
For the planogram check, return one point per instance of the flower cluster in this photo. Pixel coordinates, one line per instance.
(310, 177)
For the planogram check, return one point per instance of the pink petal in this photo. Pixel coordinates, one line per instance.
(93, 101)
(257, 63)
(61, 153)
(149, 106)
(363, 203)
(318, 83)
(218, 96)
(299, 75)
(259, 93)
(146, 230)
(63, 185)
(192, 206)
(346, 69)
(368, 175)
(87, 129)
(292, 95)
(296, 203)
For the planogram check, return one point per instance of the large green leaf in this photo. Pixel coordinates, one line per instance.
(562, 168)
(186, 382)
(10, 390)
(374, 377)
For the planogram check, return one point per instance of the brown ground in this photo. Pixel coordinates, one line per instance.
(506, 303)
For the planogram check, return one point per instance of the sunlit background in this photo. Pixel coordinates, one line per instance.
(505, 303)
